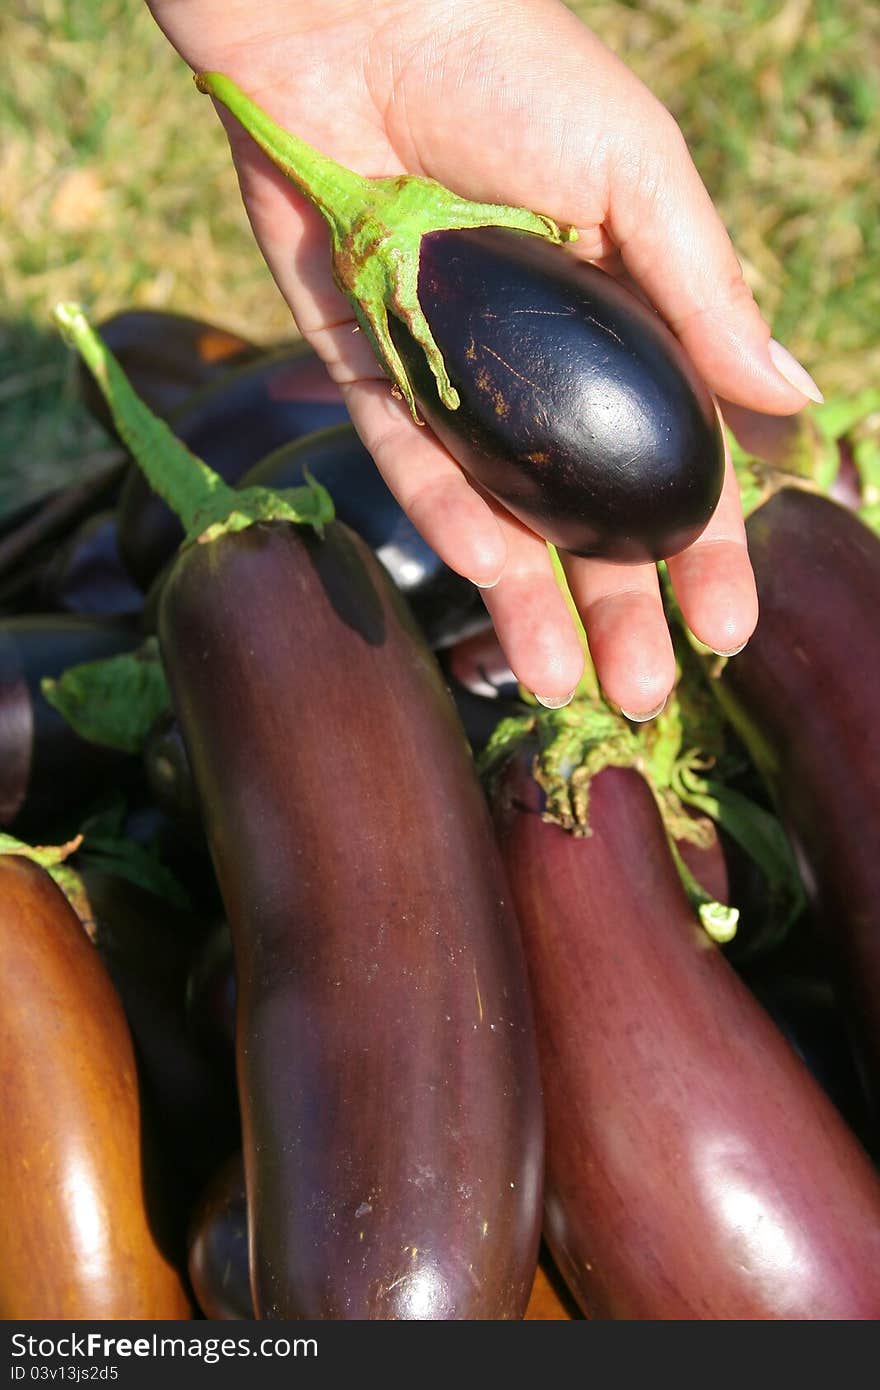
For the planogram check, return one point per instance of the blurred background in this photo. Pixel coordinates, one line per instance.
(116, 188)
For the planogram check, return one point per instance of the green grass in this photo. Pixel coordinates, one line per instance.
(117, 189)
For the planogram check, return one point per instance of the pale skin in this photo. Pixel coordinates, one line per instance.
(508, 101)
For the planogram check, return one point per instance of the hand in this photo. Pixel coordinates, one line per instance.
(515, 104)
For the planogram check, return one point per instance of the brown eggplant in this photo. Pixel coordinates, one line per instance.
(231, 425)
(76, 1240)
(166, 357)
(45, 768)
(695, 1170)
(445, 606)
(387, 1072)
(803, 697)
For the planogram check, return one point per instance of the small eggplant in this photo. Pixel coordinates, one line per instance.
(167, 357)
(551, 384)
(695, 1170)
(218, 1246)
(77, 1239)
(231, 425)
(46, 768)
(446, 606)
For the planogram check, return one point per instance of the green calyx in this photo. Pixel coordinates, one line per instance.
(206, 506)
(52, 858)
(376, 228)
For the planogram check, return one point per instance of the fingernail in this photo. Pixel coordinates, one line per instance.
(733, 651)
(549, 702)
(643, 718)
(491, 584)
(796, 375)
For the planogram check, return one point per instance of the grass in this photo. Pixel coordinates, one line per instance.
(116, 188)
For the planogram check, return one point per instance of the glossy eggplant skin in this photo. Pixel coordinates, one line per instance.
(45, 768)
(386, 1060)
(579, 409)
(803, 696)
(76, 1241)
(231, 425)
(166, 357)
(445, 606)
(695, 1170)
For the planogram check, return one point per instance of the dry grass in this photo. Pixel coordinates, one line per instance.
(116, 186)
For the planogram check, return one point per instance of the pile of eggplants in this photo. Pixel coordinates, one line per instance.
(359, 1030)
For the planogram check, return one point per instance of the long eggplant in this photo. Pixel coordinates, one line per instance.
(76, 1238)
(166, 358)
(695, 1170)
(803, 697)
(551, 384)
(387, 1071)
(45, 768)
(389, 1088)
(446, 606)
(231, 424)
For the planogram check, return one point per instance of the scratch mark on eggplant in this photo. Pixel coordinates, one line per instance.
(479, 996)
(548, 313)
(605, 329)
(526, 379)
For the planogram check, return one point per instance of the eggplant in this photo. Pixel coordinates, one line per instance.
(86, 575)
(211, 995)
(148, 947)
(167, 357)
(387, 1074)
(45, 768)
(803, 697)
(446, 606)
(169, 776)
(231, 424)
(551, 384)
(218, 1257)
(579, 409)
(54, 515)
(218, 1246)
(695, 1170)
(77, 1240)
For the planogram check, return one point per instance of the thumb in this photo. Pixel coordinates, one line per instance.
(673, 243)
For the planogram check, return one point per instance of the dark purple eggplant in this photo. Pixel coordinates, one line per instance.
(54, 515)
(166, 357)
(86, 575)
(579, 409)
(549, 382)
(446, 606)
(218, 1246)
(695, 1170)
(231, 424)
(46, 768)
(389, 1090)
(147, 947)
(803, 697)
(211, 995)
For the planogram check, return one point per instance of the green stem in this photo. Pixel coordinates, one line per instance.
(205, 504)
(180, 479)
(339, 194)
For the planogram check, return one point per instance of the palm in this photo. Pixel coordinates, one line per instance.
(459, 92)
